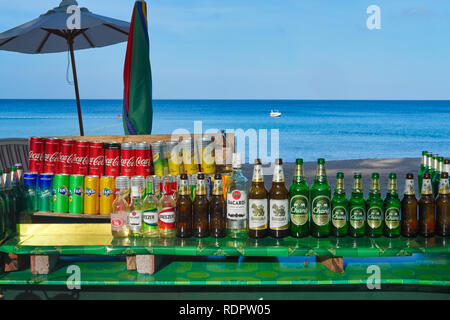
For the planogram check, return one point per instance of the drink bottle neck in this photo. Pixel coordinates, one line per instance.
(440, 167)
(409, 187)
(392, 186)
(424, 160)
(321, 174)
(257, 174)
(299, 174)
(375, 186)
(429, 164)
(200, 189)
(435, 163)
(218, 188)
(426, 187)
(357, 186)
(443, 186)
(184, 188)
(340, 187)
(278, 174)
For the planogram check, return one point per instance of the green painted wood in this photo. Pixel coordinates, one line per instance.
(268, 247)
(198, 271)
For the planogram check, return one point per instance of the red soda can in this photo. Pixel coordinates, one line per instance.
(66, 156)
(112, 159)
(127, 159)
(143, 156)
(80, 163)
(51, 155)
(96, 158)
(36, 155)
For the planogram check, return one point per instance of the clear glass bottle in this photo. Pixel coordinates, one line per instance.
(120, 208)
(136, 205)
(150, 226)
(237, 200)
(166, 209)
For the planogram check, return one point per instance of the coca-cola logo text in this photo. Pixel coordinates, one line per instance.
(64, 158)
(81, 160)
(127, 162)
(142, 162)
(114, 162)
(52, 157)
(98, 161)
(36, 156)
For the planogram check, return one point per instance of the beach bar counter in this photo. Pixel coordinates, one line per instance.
(68, 255)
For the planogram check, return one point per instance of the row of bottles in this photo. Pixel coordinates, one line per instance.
(434, 165)
(12, 196)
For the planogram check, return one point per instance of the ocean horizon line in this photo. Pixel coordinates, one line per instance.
(199, 99)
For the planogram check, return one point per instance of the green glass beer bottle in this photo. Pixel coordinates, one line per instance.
(375, 208)
(339, 208)
(434, 161)
(436, 177)
(392, 205)
(357, 208)
(422, 168)
(320, 202)
(428, 169)
(299, 202)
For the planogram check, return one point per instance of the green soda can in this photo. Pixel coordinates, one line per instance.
(76, 193)
(158, 158)
(61, 187)
(45, 192)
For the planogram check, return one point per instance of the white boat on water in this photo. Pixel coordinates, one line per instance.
(275, 114)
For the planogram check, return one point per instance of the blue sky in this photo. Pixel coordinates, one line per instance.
(248, 49)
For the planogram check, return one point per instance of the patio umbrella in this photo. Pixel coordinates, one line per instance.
(54, 32)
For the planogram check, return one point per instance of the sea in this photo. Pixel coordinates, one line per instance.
(310, 129)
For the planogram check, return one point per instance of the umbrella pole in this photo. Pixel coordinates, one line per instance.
(75, 80)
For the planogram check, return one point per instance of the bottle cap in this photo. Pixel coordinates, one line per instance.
(339, 175)
(279, 161)
(201, 176)
(183, 176)
(424, 153)
(446, 161)
(440, 159)
(357, 175)
(444, 175)
(392, 176)
(409, 176)
(375, 175)
(237, 160)
(321, 161)
(217, 176)
(299, 161)
(258, 162)
(426, 176)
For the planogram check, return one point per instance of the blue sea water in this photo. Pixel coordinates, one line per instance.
(334, 130)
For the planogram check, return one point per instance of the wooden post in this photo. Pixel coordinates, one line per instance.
(335, 264)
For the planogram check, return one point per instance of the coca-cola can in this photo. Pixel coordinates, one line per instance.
(127, 159)
(112, 159)
(80, 163)
(143, 159)
(96, 158)
(36, 155)
(66, 155)
(51, 155)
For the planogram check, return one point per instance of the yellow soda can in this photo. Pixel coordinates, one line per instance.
(107, 192)
(189, 158)
(207, 155)
(91, 194)
(175, 157)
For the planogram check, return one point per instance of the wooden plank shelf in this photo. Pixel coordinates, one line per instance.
(72, 215)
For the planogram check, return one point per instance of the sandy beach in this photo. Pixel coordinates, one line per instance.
(400, 166)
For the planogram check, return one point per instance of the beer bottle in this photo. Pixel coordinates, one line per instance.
(11, 199)
(217, 210)
(339, 208)
(6, 202)
(237, 200)
(183, 211)
(375, 208)
(422, 168)
(278, 204)
(299, 202)
(443, 207)
(446, 166)
(427, 208)
(257, 204)
(392, 207)
(320, 202)
(409, 226)
(166, 209)
(428, 169)
(436, 177)
(200, 223)
(357, 208)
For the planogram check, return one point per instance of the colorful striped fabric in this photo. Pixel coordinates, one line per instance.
(137, 102)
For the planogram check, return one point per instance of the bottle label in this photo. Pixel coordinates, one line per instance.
(392, 219)
(237, 205)
(118, 221)
(278, 174)
(167, 218)
(374, 217)
(321, 210)
(339, 216)
(426, 186)
(444, 187)
(257, 174)
(150, 218)
(357, 217)
(257, 214)
(135, 220)
(299, 208)
(409, 187)
(279, 217)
